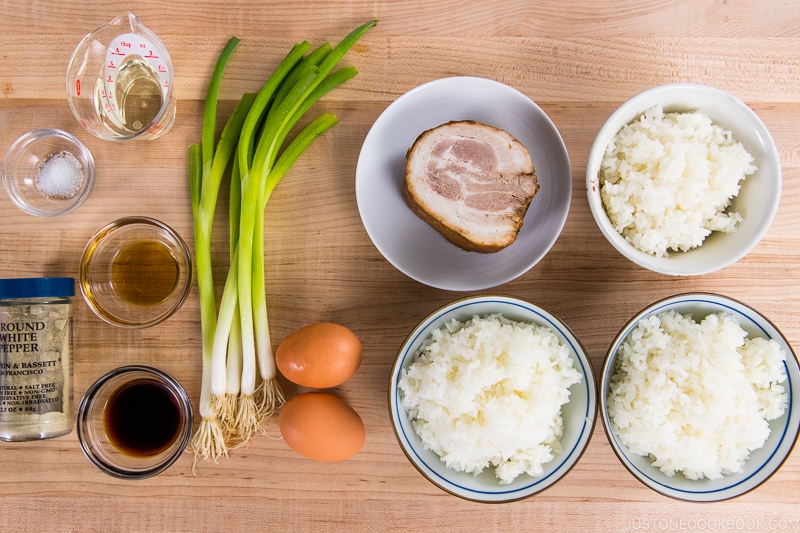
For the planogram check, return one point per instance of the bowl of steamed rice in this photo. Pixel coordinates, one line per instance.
(492, 398)
(700, 397)
(683, 179)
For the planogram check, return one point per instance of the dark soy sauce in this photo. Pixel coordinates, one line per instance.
(142, 418)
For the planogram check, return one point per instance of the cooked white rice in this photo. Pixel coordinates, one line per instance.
(667, 179)
(693, 397)
(488, 393)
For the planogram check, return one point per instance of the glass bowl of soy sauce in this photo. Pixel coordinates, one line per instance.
(134, 422)
(135, 272)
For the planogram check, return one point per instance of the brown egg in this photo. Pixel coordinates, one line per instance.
(319, 356)
(322, 427)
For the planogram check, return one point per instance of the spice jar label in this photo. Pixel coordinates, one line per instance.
(35, 348)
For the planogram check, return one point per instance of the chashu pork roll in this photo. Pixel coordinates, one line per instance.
(472, 182)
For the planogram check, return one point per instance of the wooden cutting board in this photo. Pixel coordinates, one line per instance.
(577, 60)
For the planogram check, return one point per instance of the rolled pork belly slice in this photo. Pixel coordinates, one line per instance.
(472, 182)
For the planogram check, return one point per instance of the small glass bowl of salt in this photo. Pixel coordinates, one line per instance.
(48, 172)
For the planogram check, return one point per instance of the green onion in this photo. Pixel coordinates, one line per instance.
(319, 85)
(204, 179)
(236, 342)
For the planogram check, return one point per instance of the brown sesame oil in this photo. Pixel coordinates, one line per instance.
(144, 273)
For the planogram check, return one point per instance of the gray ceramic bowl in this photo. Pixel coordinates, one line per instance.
(413, 246)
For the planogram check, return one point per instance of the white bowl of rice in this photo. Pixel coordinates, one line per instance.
(492, 398)
(700, 397)
(683, 179)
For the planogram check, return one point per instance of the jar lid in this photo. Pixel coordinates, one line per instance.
(36, 288)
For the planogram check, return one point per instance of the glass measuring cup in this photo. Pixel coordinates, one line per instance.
(119, 82)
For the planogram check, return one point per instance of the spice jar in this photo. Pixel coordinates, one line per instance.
(35, 358)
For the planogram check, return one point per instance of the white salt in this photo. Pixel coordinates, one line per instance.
(60, 176)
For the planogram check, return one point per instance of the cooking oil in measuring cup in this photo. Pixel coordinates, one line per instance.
(119, 82)
(130, 92)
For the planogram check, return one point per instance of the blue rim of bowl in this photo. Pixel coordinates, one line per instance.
(563, 467)
(716, 300)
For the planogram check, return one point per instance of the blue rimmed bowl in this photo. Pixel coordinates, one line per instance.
(764, 462)
(579, 414)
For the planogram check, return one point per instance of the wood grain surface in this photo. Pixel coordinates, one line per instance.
(577, 60)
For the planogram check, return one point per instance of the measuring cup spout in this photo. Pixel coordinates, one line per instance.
(128, 20)
(131, 19)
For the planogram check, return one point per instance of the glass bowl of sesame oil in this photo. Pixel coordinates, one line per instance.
(135, 272)
(48, 172)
